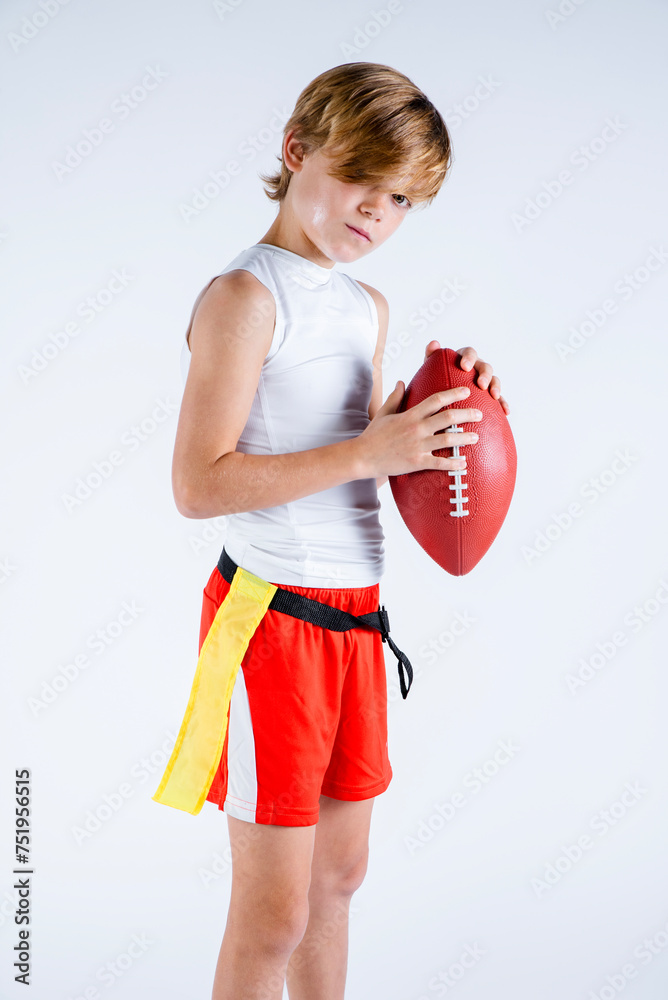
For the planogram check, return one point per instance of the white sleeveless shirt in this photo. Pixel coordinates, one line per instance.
(314, 389)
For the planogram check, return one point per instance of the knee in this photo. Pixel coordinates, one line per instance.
(285, 929)
(345, 879)
(354, 876)
(277, 923)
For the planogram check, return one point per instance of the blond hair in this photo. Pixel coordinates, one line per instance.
(376, 124)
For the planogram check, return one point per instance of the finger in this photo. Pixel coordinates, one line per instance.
(439, 422)
(432, 346)
(484, 373)
(393, 401)
(437, 400)
(495, 386)
(467, 357)
(452, 439)
(448, 463)
(506, 408)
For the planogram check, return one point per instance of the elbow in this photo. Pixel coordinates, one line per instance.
(187, 503)
(199, 494)
(189, 500)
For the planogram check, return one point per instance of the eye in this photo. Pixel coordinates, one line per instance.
(405, 203)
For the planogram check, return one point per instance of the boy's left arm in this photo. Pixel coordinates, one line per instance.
(468, 358)
(383, 310)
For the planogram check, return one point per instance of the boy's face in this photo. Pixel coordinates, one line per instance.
(335, 214)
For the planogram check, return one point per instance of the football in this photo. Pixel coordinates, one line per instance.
(456, 515)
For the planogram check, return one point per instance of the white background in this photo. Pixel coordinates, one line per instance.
(552, 84)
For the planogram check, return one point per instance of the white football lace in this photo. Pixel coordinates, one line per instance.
(459, 486)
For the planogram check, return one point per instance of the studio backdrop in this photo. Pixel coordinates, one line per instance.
(519, 851)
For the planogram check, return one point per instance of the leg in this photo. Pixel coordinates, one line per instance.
(268, 910)
(317, 967)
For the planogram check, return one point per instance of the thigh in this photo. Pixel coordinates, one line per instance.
(271, 865)
(341, 845)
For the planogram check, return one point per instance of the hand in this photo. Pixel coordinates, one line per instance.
(468, 359)
(395, 443)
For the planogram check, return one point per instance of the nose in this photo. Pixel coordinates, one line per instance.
(372, 204)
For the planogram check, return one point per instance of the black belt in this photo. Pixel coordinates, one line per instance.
(308, 610)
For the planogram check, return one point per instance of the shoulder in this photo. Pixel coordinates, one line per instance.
(238, 282)
(378, 297)
(238, 287)
(382, 308)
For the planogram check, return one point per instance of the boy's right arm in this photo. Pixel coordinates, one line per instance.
(231, 333)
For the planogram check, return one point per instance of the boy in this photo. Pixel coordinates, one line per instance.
(282, 429)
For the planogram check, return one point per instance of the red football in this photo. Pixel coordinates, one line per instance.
(456, 515)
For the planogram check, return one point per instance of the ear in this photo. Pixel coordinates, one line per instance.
(293, 151)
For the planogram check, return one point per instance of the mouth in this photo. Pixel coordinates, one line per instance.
(362, 233)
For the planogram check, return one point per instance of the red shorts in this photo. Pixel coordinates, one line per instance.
(307, 715)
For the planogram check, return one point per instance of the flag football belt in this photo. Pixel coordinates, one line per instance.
(199, 745)
(309, 610)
